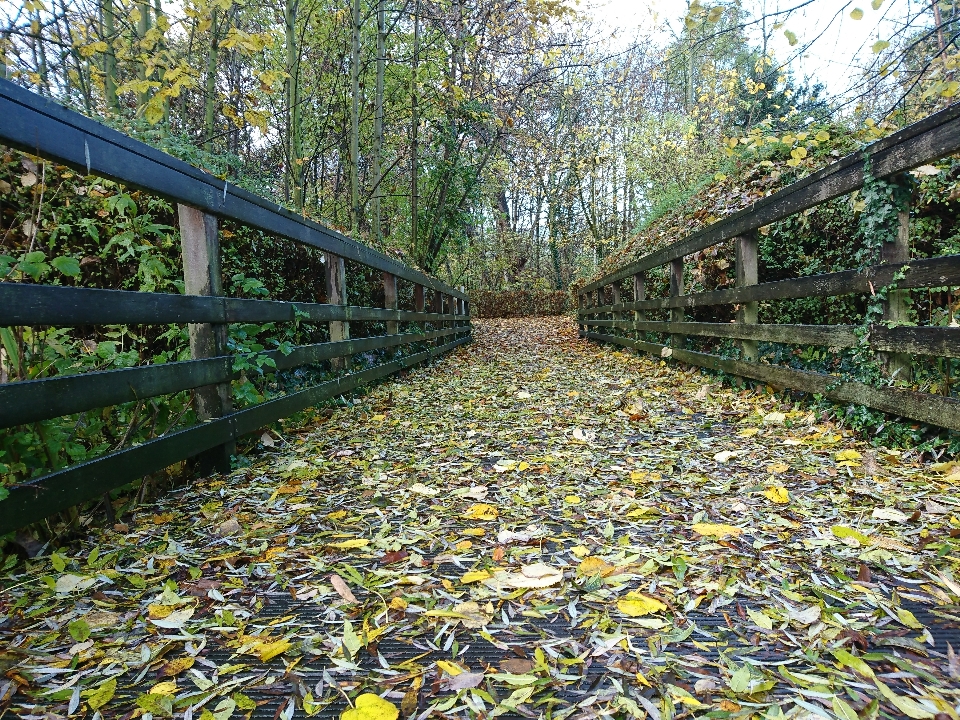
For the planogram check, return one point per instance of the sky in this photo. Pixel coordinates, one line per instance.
(834, 59)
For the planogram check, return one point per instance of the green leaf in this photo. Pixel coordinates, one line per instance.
(875, 4)
(66, 265)
(79, 630)
(880, 46)
(843, 710)
(791, 37)
(845, 658)
(856, 14)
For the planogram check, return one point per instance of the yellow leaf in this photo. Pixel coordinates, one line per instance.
(880, 46)
(398, 603)
(777, 468)
(474, 576)
(165, 688)
(637, 604)
(572, 500)
(637, 475)
(822, 136)
(843, 532)
(351, 544)
(524, 465)
(848, 455)
(594, 566)
(268, 651)
(463, 545)
(103, 694)
(779, 495)
(764, 621)
(580, 551)
(481, 511)
(337, 515)
(451, 669)
(717, 530)
(856, 14)
(371, 707)
(748, 432)
(177, 666)
(909, 707)
(909, 619)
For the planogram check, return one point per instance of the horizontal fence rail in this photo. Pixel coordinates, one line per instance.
(605, 316)
(439, 322)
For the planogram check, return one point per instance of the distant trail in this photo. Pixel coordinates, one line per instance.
(539, 521)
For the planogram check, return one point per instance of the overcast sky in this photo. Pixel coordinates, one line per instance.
(835, 59)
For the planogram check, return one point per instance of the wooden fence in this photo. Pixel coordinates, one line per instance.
(41, 127)
(602, 310)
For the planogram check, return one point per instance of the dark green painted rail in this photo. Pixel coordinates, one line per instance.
(605, 316)
(38, 126)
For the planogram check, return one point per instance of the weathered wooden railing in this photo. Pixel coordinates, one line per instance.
(41, 127)
(931, 139)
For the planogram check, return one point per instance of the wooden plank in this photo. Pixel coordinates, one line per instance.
(33, 400)
(930, 139)
(931, 409)
(839, 336)
(676, 290)
(939, 341)
(39, 126)
(34, 500)
(746, 260)
(390, 300)
(932, 272)
(59, 306)
(200, 248)
(896, 308)
(335, 276)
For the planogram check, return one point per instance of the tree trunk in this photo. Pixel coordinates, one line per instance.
(109, 58)
(414, 122)
(355, 122)
(209, 103)
(295, 145)
(378, 120)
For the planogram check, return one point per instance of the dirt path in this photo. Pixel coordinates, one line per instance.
(535, 526)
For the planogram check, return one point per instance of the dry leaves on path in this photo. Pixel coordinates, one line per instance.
(534, 525)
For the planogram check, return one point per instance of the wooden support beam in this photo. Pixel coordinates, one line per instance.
(200, 247)
(746, 251)
(615, 291)
(419, 304)
(390, 300)
(336, 282)
(676, 289)
(896, 308)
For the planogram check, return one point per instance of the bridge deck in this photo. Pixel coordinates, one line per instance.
(557, 528)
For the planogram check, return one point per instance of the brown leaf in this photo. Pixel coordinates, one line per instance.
(394, 556)
(863, 575)
(343, 590)
(517, 666)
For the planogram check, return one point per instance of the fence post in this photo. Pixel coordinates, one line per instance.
(746, 260)
(676, 289)
(615, 315)
(390, 300)
(639, 293)
(896, 308)
(336, 280)
(200, 246)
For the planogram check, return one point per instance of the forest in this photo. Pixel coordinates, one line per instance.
(500, 144)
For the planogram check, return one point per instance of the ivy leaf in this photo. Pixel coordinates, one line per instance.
(66, 265)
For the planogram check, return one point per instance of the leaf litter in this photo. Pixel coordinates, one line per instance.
(536, 526)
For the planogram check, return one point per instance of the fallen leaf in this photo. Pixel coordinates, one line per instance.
(717, 530)
(637, 604)
(342, 589)
(371, 707)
